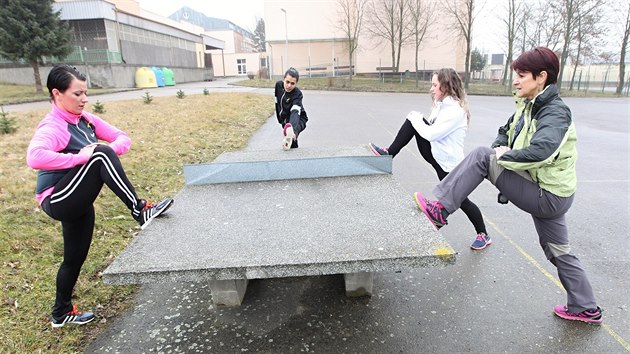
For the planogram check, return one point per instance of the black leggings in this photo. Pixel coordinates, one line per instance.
(72, 204)
(404, 136)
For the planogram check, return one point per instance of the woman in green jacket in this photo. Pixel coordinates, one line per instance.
(532, 163)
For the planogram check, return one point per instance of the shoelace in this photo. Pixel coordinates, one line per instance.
(74, 311)
(435, 209)
(585, 313)
(481, 237)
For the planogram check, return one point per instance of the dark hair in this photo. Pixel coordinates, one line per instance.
(293, 73)
(537, 60)
(451, 85)
(61, 76)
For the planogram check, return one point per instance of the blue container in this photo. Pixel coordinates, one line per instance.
(159, 76)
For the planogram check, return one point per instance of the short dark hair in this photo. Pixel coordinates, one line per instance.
(61, 76)
(537, 60)
(293, 73)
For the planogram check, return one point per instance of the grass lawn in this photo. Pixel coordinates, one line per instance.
(166, 134)
(11, 93)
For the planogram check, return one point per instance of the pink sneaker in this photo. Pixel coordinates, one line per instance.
(588, 316)
(289, 136)
(434, 210)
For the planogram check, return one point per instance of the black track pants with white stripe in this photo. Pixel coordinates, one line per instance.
(72, 204)
(404, 136)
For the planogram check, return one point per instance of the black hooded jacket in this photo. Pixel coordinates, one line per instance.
(289, 103)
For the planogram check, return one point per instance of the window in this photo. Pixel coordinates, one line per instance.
(241, 65)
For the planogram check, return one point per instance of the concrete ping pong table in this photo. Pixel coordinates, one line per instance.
(270, 214)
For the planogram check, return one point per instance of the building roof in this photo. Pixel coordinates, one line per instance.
(187, 14)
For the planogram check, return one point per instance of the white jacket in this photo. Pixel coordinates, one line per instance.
(445, 129)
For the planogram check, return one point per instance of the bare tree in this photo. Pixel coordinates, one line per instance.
(513, 23)
(421, 15)
(546, 25)
(573, 12)
(350, 22)
(387, 24)
(463, 13)
(624, 48)
(589, 30)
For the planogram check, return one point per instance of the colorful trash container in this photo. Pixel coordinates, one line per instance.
(145, 78)
(169, 78)
(159, 76)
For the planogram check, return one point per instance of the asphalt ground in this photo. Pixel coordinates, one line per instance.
(498, 300)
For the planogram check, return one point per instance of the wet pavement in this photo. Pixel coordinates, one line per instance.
(498, 300)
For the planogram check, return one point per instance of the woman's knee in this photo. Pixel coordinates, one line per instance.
(482, 152)
(106, 149)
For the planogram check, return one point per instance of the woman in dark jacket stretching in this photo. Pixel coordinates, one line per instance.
(289, 108)
(532, 163)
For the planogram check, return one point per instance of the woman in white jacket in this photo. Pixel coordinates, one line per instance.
(440, 138)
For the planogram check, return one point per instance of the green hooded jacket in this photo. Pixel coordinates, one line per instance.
(546, 145)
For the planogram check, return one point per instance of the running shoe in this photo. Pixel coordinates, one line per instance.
(433, 209)
(289, 137)
(378, 151)
(150, 211)
(482, 241)
(74, 316)
(593, 316)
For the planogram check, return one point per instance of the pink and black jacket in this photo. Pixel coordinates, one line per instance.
(59, 137)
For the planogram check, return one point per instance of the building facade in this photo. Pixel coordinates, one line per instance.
(306, 35)
(239, 56)
(114, 38)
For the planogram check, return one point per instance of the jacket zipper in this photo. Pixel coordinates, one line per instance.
(81, 130)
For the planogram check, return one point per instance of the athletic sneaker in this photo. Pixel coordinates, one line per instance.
(378, 151)
(73, 316)
(289, 137)
(482, 241)
(433, 209)
(593, 316)
(150, 211)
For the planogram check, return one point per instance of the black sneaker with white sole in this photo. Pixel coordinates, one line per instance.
(74, 316)
(150, 211)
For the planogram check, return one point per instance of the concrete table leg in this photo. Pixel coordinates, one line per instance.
(359, 284)
(228, 292)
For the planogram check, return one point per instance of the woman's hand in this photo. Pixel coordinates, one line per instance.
(499, 150)
(88, 150)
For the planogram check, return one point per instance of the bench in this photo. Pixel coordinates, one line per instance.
(270, 214)
(390, 72)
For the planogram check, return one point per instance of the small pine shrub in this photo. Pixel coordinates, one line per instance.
(7, 124)
(206, 91)
(147, 98)
(180, 94)
(98, 107)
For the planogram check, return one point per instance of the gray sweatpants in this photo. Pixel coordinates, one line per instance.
(547, 210)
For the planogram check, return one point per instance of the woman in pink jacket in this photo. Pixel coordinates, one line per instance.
(76, 153)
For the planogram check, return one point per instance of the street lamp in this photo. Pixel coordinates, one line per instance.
(286, 38)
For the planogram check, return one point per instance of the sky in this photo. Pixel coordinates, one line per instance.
(241, 12)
